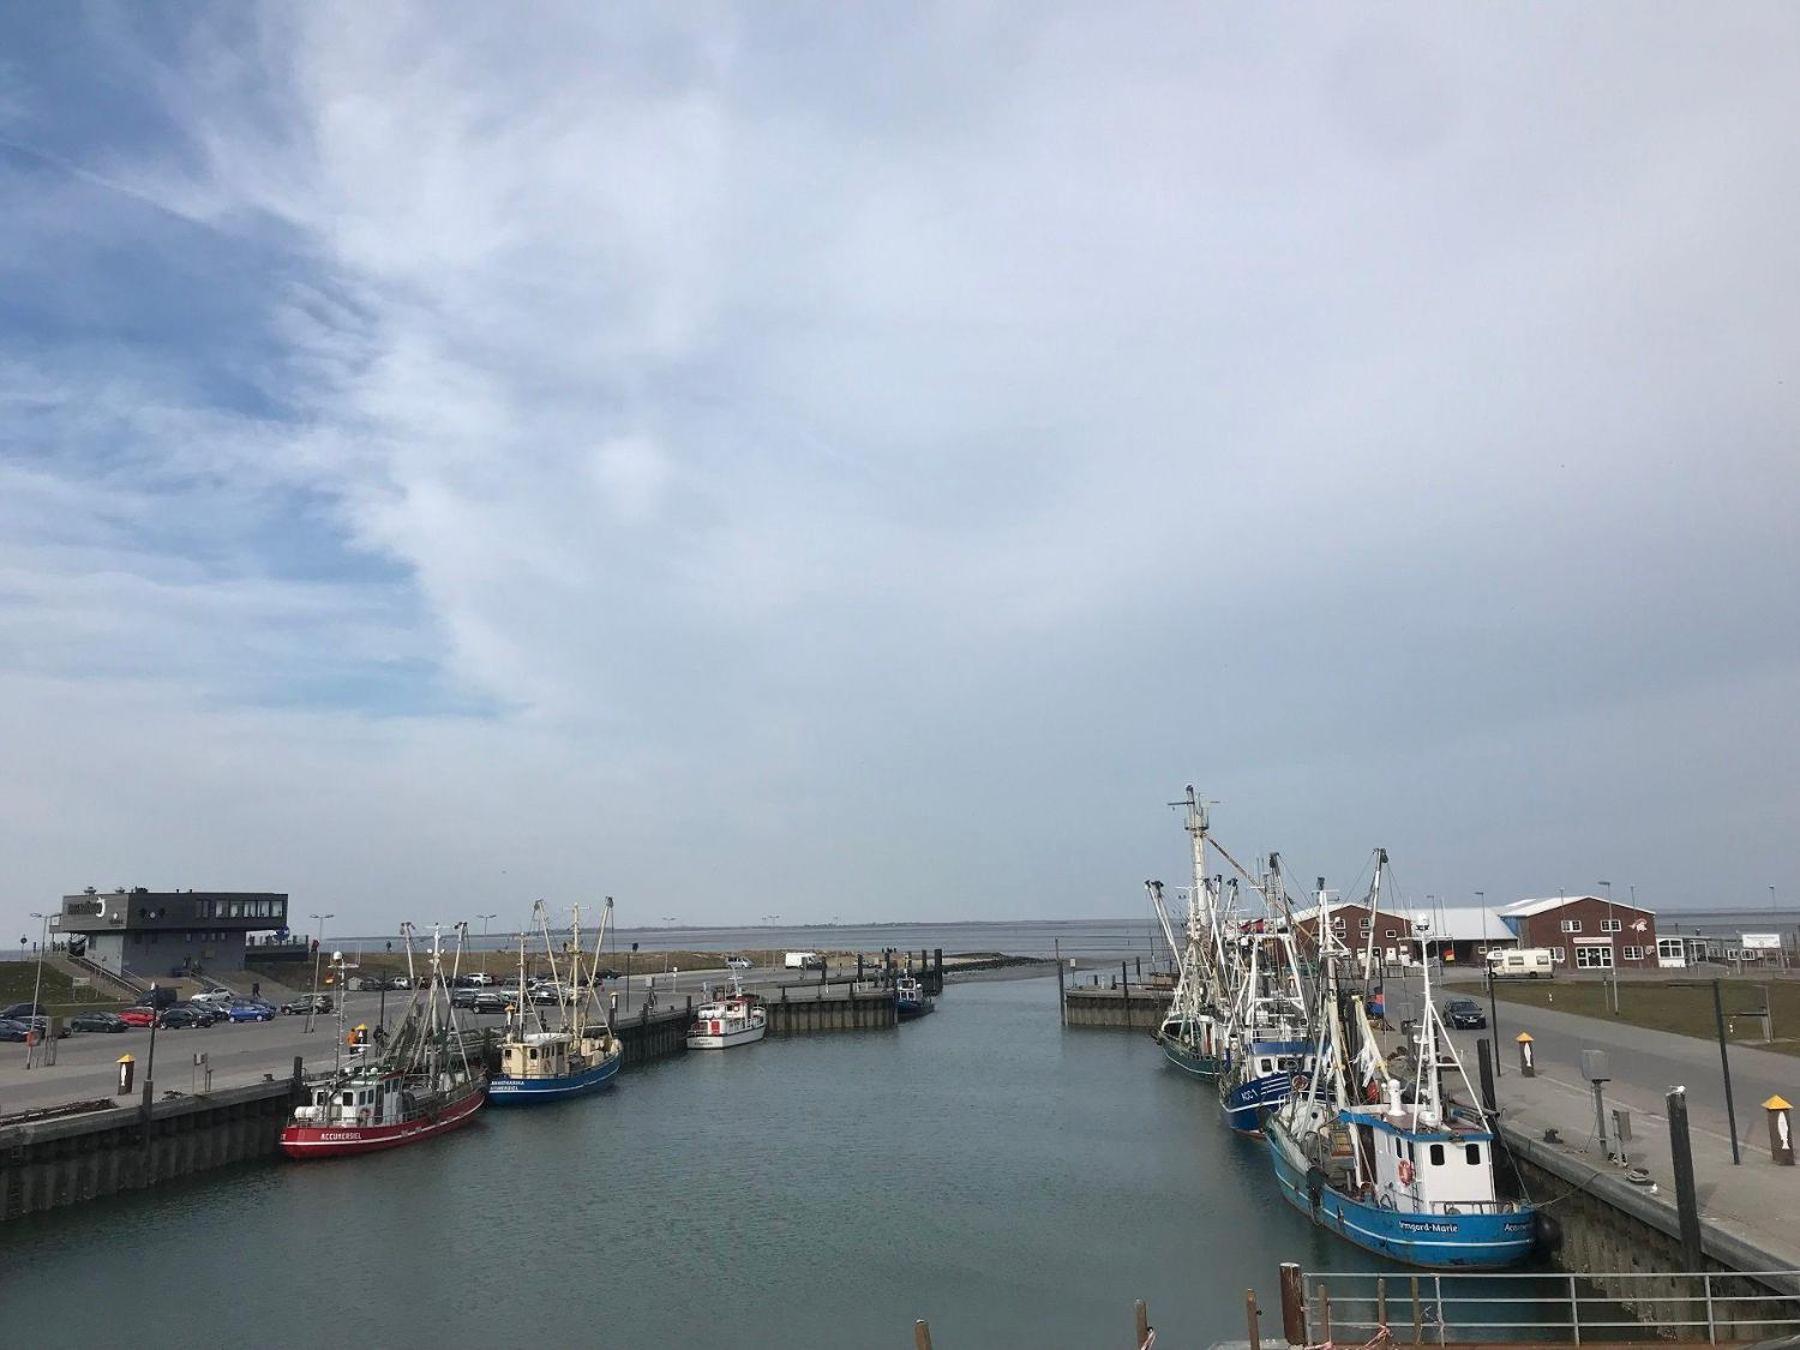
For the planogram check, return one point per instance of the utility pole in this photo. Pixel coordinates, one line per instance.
(1612, 947)
(37, 990)
(484, 932)
(1488, 972)
(318, 951)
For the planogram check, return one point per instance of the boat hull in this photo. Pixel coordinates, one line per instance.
(339, 1141)
(503, 1091)
(1192, 1061)
(909, 1009)
(1246, 1103)
(1436, 1241)
(724, 1040)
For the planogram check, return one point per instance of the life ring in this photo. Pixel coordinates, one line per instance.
(1301, 1082)
(1407, 1172)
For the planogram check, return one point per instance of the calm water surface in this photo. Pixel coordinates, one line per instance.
(1015, 1183)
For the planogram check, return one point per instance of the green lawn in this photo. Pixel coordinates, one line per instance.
(1662, 1006)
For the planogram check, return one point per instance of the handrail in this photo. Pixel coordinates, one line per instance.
(92, 966)
(1716, 1314)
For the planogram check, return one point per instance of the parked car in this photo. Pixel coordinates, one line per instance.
(205, 1013)
(98, 1021)
(41, 1023)
(462, 997)
(545, 993)
(15, 1011)
(250, 1012)
(481, 979)
(11, 1030)
(1464, 1012)
(737, 963)
(299, 1007)
(179, 1018)
(158, 998)
(492, 1000)
(138, 1016)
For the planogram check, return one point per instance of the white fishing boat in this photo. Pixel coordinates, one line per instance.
(541, 1062)
(736, 1019)
(1192, 1034)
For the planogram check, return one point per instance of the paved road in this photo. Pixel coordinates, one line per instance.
(239, 1053)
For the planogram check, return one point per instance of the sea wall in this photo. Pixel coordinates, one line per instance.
(1131, 1008)
(65, 1160)
(838, 1008)
(1611, 1230)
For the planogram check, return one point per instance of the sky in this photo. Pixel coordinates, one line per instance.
(862, 462)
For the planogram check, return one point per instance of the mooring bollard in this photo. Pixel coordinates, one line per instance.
(127, 1070)
(1527, 1068)
(1293, 1304)
(1781, 1130)
(1253, 1315)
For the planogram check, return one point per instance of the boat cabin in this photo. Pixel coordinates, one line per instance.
(1422, 1168)
(355, 1099)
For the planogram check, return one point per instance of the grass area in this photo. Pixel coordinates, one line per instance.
(59, 995)
(1686, 1010)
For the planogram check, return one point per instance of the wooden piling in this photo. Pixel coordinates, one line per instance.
(1293, 1304)
(1418, 1314)
(921, 1335)
(1381, 1302)
(1251, 1316)
(1140, 1321)
(1324, 1311)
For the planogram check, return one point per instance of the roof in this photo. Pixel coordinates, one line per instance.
(1525, 909)
(1468, 923)
(1311, 912)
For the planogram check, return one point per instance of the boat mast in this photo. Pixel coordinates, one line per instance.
(1374, 910)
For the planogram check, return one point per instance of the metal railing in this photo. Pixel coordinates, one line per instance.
(1450, 1308)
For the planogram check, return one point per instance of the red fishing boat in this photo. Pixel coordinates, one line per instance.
(423, 1083)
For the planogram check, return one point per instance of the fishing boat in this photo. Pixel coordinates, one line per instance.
(1385, 1165)
(1192, 1034)
(736, 1019)
(419, 1085)
(1268, 1027)
(542, 1063)
(910, 999)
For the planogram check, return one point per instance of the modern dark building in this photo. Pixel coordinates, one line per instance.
(155, 934)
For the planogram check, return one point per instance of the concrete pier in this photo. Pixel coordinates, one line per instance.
(835, 1008)
(46, 1164)
(1133, 1008)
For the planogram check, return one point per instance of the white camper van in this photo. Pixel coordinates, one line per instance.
(805, 961)
(1522, 963)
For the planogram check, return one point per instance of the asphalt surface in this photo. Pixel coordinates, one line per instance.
(244, 1052)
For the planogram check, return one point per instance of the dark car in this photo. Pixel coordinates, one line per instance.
(206, 1013)
(319, 1003)
(492, 1001)
(158, 998)
(180, 1018)
(11, 1030)
(246, 1011)
(1463, 1013)
(98, 1021)
(19, 1010)
(462, 997)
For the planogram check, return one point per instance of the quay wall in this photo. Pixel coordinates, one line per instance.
(843, 1010)
(1627, 1243)
(66, 1160)
(1132, 1008)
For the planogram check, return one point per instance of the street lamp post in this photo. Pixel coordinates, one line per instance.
(37, 990)
(1493, 1002)
(484, 932)
(1612, 946)
(318, 951)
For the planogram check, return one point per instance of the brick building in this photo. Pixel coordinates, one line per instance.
(1353, 925)
(1586, 932)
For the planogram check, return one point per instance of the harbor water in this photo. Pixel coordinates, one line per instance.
(1015, 1183)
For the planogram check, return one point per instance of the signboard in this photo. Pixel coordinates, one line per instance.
(1762, 942)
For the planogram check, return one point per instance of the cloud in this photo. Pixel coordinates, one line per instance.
(796, 432)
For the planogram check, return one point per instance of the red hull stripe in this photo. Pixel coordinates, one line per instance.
(331, 1141)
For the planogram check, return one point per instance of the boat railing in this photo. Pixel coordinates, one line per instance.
(1488, 1306)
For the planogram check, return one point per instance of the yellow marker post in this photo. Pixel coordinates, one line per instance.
(1781, 1130)
(1527, 1067)
(127, 1068)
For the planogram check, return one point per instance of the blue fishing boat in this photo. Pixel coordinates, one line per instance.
(1264, 1078)
(910, 999)
(540, 1063)
(1386, 1166)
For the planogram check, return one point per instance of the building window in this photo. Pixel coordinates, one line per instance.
(1669, 949)
(1559, 955)
(1594, 958)
(1337, 923)
(1387, 932)
(1633, 953)
(1612, 925)
(1571, 925)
